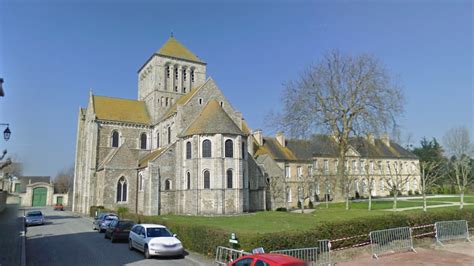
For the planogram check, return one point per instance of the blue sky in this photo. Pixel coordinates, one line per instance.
(53, 52)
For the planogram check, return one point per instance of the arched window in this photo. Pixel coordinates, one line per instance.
(229, 178)
(184, 74)
(157, 140)
(229, 148)
(115, 139)
(188, 150)
(206, 149)
(143, 141)
(207, 179)
(167, 184)
(243, 150)
(169, 135)
(122, 190)
(188, 180)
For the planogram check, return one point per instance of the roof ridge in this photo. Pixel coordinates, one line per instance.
(117, 98)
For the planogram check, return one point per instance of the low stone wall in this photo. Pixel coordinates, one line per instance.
(3, 200)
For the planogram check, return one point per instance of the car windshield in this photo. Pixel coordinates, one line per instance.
(32, 214)
(111, 218)
(157, 232)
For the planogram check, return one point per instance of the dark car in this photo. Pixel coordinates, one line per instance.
(99, 219)
(118, 230)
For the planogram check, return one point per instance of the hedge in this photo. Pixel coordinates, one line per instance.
(204, 239)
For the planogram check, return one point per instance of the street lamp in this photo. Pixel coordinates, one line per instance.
(6, 132)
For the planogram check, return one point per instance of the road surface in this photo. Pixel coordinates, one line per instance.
(67, 239)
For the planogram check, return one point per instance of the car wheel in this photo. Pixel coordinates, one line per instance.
(112, 238)
(130, 246)
(147, 252)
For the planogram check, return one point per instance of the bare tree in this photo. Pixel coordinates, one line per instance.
(306, 184)
(64, 180)
(459, 146)
(344, 96)
(430, 172)
(396, 178)
(276, 187)
(369, 173)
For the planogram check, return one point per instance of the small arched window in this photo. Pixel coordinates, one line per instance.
(188, 150)
(122, 190)
(167, 184)
(206, 149)
(207, 179)
(169, 135)
(243, 150)
(184, 73)
(188, 180)
(229, 178)
(229, 148)
(143, 141)
(115, 139)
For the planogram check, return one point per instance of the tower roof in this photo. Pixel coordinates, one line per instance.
(173, 48)
(212, 120)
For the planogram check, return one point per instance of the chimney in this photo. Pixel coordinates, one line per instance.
(258, 136)
(370, 139)
(281, 138)
(385, 139)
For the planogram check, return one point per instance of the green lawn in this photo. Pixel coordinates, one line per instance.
(264, 222)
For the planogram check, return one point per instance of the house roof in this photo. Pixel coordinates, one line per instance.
(149, 157)
(325, 146)
(123, 110)
(173, 48)
(212, 120)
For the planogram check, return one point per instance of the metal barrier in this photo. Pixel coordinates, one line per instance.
(395, 239)
(307, 254)
(324, 252)
(451, 230)
(225, 255)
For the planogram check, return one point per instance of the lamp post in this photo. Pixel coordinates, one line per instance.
(6, 132)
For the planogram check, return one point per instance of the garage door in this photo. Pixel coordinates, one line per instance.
(39, 196)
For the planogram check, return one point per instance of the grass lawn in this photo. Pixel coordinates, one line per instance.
(271, 221)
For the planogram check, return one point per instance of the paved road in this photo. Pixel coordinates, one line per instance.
(10, 231)
(67, 239)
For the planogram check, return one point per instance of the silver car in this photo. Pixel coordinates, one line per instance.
(99, 219)
(105, 223)
(34, 218)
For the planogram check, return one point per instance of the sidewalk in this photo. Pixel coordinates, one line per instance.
(10, 235)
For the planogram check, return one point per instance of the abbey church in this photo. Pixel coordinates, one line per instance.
(182, 148)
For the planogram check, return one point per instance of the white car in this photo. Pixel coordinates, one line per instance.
(154, 240)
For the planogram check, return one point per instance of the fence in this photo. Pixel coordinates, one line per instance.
(395, 239)
(225, 255)
(451, 230)
(307, 254)
(324, 252)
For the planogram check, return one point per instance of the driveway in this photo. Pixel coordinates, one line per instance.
(67, 239)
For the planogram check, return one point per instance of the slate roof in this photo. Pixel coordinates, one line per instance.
(143, 162)
(325, 146)
(212, 120)
(173, 48)
(123, 110)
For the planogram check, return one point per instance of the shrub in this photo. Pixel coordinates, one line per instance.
(410, 192)
(299, 204)
(417, 192)
(121, 211)
(357, 196)
(310, 205)
(281, 209)
(93, 209)
(316, 197)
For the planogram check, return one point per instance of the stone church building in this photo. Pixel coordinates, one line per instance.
(180, 148)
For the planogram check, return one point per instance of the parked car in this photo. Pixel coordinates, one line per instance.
(268, 260)
(154, 240)
(118, 230)
(105, 223)
(99, 219)
(58, 207)
(33, 218)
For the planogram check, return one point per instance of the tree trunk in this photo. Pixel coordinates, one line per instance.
(461, 205)
(347, 203)
(327, 198)
(395, 194)
(424, 200)
(370, 200)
